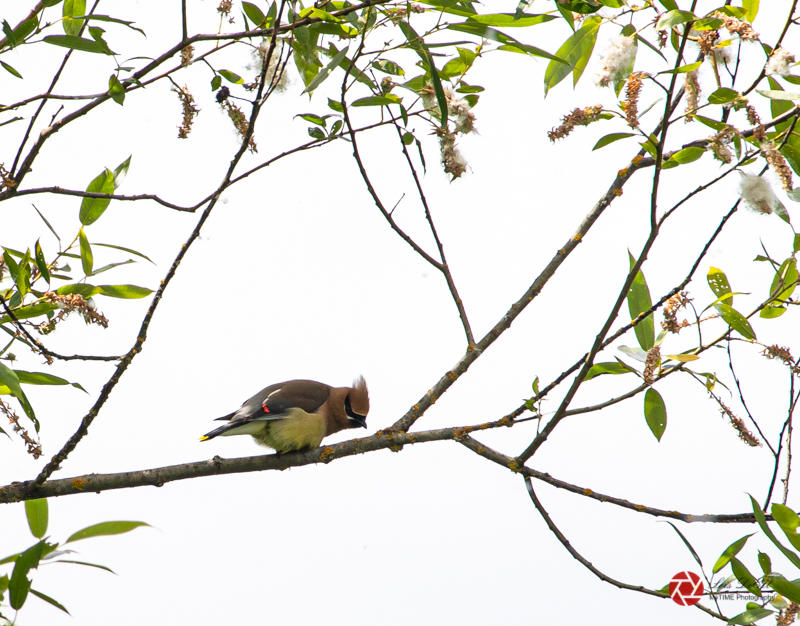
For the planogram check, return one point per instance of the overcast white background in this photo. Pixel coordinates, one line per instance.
(297, 275)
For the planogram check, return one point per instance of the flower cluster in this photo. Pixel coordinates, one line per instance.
(576, 117)
(758, 194)
(779, 62)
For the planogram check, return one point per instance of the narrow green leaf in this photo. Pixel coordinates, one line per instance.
(511, 20)
(735, 320)
(368, 101)
(49, 600)
(786, 588)
(326, 71)
(575, 51)
(87, 258)
(788, 521)
(511, 44)
(765, 562)
(36, 512)
(762, 522)
(787, 277)
(124, 291)
(688, 545)
(43, 378)
(730, 552)
(124, 249)
(10, 379)
(744, 576)
(655, 413)
(687, 155)
(231, 77)
(778, 94)
(10, 69)
(19, 584)
(638, 302)
(419, 46)
(85, 563)
(610, 138)
(719, 284)
(84, 289)
(104, 528)
(41, 263)
(93, 208)
(598, 369)
(29, 310)
(79, 43)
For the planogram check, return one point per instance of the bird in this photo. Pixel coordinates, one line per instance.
(297, 414)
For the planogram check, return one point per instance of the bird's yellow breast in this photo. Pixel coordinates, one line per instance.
(297, 431)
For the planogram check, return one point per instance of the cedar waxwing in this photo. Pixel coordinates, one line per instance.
(297, 414)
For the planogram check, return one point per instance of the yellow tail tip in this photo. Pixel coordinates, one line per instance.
(204, 438)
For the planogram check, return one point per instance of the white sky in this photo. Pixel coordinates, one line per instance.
(297, 275)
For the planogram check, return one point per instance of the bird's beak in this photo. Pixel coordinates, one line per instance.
(360, 420)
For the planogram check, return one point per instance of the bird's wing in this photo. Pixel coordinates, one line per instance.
(272, 403)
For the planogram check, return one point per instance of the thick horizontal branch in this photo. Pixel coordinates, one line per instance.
(159, 476)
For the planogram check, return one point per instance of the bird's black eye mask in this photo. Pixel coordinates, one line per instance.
(348, 408)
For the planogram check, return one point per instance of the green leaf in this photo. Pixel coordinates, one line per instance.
(43, 378)
(71, 10)
(36, 512)
(787, 277)
(686, 155)
(326, 71)
(49, 600)
(368, 101)
(509, 43)
(319, 120)
(10, 379)
(735, 320)
(762, 522)
(723, 95)
(96, 565)
(116, 90)
(730, 552)
(786, 588)
(84, 289)
(511, 20)
(719, 284)
(751, 10)
(419, 46)
(41, 263)
(388, 67)
(254, 14)
(684, 69)
(124, 291)
(19, 585)
(575, 51)
(639, 302)
(688, 545)
(216, 82)
(655, 412)
(29, 310)
(79, 43)
(87, 258)
(231, 77)
(788, 522)
(765, 562)
(93, 208)
(744, 576)
(610, 138)
(124, 249)
(10, 69)
(778, 94)
(104, 528)
(750, 616)
(674, 17)
(598, 369)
